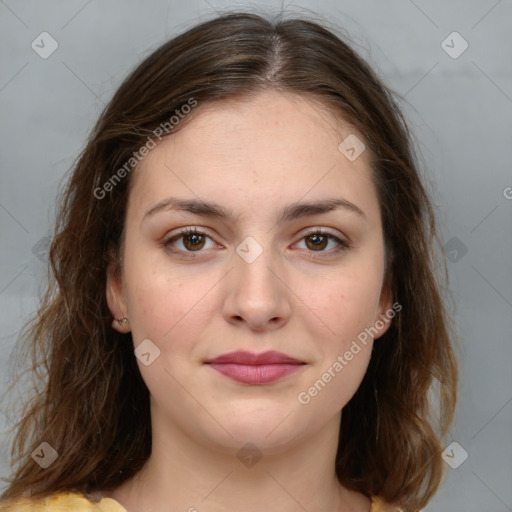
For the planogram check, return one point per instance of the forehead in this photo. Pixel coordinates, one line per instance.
(277, 142)
(238, 123)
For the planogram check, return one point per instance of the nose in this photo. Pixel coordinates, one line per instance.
(257, 294)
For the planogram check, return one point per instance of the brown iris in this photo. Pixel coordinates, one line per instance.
(195, 239)
(320, 241)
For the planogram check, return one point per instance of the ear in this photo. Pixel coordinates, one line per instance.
(115, 297)
(386, 311)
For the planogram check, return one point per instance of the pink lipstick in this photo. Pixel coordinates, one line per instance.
(251, 368)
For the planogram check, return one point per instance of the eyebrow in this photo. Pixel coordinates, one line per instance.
(288, 213)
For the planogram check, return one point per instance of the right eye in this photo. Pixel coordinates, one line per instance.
(192, 240)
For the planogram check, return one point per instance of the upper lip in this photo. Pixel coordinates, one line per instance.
(250, 358)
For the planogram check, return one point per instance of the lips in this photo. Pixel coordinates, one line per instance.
(249, 358)
(251, 368)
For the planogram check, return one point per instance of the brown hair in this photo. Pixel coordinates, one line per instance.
(94, 406)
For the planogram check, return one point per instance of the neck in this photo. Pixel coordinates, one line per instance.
(184, 475)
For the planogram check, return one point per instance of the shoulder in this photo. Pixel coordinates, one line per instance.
(61, 502)
(379, 505)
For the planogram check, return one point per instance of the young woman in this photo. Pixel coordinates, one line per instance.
(245, 312)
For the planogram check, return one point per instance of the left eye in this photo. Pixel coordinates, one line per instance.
(194, 240)
(318, 241)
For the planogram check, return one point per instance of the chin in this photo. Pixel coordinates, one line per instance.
(271, 429)
(249, 439)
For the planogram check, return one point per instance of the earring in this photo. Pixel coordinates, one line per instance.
(122, 321)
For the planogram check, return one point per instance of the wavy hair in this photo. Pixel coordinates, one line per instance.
(89, 400)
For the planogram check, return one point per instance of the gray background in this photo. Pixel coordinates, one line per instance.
(461, 113)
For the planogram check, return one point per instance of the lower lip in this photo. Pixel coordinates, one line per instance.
(255, 374)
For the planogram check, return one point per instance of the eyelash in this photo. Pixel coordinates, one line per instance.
(167, 244)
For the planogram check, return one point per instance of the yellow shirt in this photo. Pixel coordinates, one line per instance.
(75, 502)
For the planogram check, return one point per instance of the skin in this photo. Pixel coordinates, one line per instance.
(252, 156)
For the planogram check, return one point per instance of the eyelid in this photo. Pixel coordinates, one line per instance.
(343, 242)
(323, 231)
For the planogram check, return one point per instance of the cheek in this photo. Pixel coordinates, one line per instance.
(336, 384)
(343, 346)
(166, 306)
(154, 298)
(347, 303)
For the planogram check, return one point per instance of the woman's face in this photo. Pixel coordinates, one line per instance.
(258, 279)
